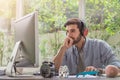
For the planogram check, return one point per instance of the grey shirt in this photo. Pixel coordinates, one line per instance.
(96, 53)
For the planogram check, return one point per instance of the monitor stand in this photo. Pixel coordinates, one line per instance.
(11, 69)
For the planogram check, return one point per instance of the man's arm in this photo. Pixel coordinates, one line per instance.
(59, 57)
(68, 42)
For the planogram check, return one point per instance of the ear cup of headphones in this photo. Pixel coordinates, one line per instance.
(82, 28)
(85, 32)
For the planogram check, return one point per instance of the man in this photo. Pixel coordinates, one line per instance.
(92, 53)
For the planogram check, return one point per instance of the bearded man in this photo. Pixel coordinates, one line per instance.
(80, 53)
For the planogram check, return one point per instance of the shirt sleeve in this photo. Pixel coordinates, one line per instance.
(108, 57)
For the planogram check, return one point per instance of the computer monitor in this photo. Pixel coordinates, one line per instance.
(26, 51)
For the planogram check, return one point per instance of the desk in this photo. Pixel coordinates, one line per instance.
(53, 78)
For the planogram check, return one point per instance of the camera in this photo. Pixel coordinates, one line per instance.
(47, 69)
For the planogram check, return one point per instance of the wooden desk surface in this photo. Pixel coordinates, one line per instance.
(53, 78)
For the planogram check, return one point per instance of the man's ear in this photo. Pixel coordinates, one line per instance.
(85, 32)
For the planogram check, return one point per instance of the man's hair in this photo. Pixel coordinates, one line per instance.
(80, 24)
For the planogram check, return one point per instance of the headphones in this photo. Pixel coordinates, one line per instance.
(81, 26)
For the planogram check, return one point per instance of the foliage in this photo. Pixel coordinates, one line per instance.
(50, 43)
(103, 15)
(1, 46)
(6, 47)
(51, 14)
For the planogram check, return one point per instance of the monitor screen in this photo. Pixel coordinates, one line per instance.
(26, 31)
(26, 51)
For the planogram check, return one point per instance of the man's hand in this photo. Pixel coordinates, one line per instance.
(111, 71)
(90, 68)
(68, 42)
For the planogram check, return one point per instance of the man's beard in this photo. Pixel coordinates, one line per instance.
(77, 40)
